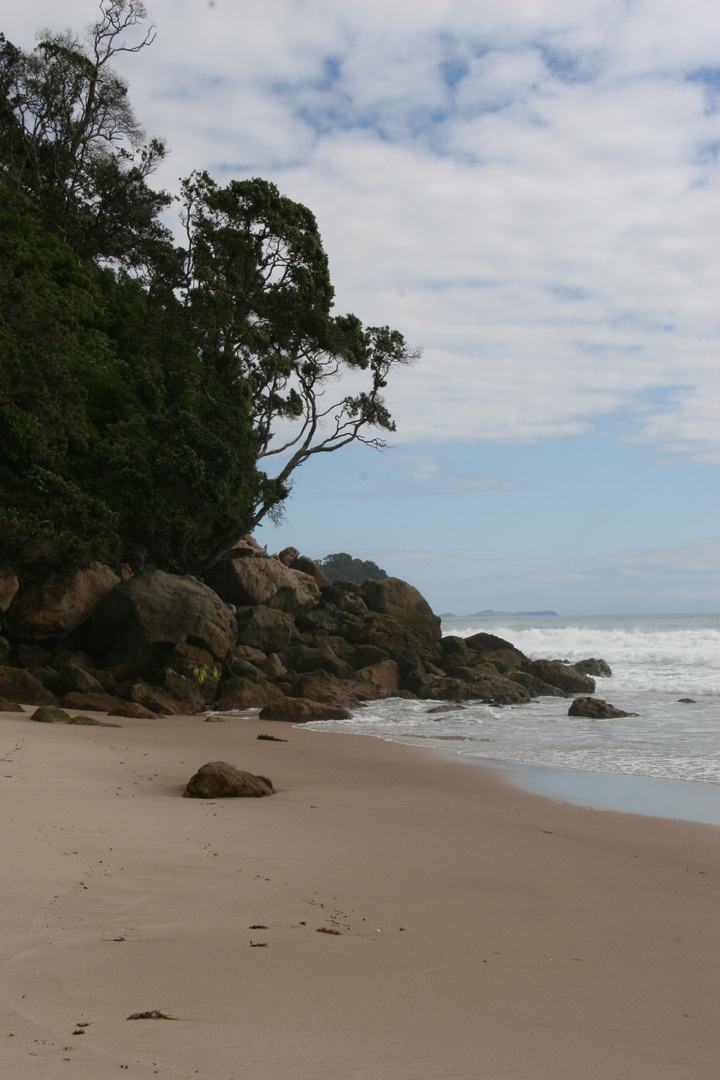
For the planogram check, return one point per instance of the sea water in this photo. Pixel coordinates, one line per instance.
(655, 661)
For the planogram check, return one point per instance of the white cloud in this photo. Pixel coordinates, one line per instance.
(529, 190)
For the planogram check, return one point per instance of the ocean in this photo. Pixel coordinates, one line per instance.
(671, 748)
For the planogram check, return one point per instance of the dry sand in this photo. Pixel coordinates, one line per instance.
(483, 932)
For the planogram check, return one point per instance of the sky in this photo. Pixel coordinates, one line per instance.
(528, 190)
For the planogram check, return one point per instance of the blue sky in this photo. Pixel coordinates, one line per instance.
(528, 190)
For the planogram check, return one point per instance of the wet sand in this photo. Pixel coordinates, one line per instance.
(483, 932)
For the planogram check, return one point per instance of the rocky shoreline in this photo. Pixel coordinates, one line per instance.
(259, 631)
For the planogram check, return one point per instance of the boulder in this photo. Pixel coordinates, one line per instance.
(50, 714)
(71, 677)
(161, 701)
(536, 687)
(599, 668)
(307, 566)
(274, 667)
(4, 649)
(94, 702)
(403, 602)
(493, 691)
(242, 693)
(287, 556)
(483, 642)
(381, 680)
(266, 630)
(501, 659)
(324, 687)
(19, 685)
(9, 585)
(219, 780)
(10, 706)
(141, 622)
(303, 658)
(266, 581)
(134, 710)
(595, 709)
(33, 656)
(54, 604)
(564, 676)
(395, 640)
(302, 710)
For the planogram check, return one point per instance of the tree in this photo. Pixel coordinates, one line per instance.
(69, 136)
(110, 448)
(260, 301)
(342, 567)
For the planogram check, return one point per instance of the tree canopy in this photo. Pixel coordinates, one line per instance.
(147, 388)
(343, 567)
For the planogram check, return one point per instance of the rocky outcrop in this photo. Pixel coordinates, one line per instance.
(53, 605)
(219, 780)
(50, 714)
(140, 623)
(264, 632)
(595, 709)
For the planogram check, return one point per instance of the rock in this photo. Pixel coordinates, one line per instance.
(444, 709)
(50, 714)
(307, 566)
(162, 702)
(501, 659)
(133, 709)
(140, 623)
(9, 706)
(264, 581)
(599, 668)
(302, 710)
(33, 656)
(89, 721)
(274, 667)
(53, 605)
(19, 685)
(73, 678)
(324, 687)
(595, 709)
(266, 630)
(4, 649)
(302, 658)
(94, 702)
(395, 640)
(687, 701)
(288, 555)
(246, 652)
(536, 686)
(403, 602)
(9, 586)
(219, 780)
(241, 693)
(381, 680)
(187, 691)
(488, 643)
(493, 691)
(564, 676)
(454, 649)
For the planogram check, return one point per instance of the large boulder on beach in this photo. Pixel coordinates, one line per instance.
(50, 714)
(139, 624)
(262, 580)
(564, 676)
(55, 603)
(220, 780)
(595, 709)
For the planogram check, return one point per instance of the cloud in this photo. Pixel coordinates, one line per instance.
(529, 190)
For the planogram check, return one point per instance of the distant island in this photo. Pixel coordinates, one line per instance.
(489, 611)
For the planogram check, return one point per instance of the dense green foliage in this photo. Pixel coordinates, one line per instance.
(342, 567)
(144, 385)
(110, 447)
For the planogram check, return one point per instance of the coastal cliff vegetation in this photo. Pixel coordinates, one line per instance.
(156, 397)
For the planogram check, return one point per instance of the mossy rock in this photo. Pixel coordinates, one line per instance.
(50, 714)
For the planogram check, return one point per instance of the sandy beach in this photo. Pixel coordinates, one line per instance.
(477, 931)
